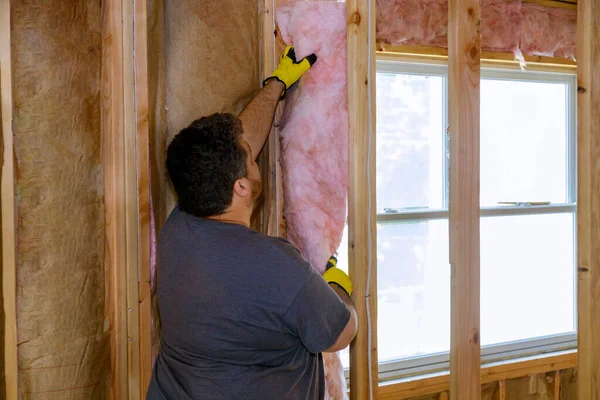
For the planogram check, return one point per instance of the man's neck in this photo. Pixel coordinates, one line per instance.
(234, 217)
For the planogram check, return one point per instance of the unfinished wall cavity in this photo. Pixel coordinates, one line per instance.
(212, 59)
(506, 26)
(56, 60)
(204, 58)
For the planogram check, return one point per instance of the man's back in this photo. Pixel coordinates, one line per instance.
(243, 315)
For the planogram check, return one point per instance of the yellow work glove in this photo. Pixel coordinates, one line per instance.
(289, 70)
(335, 275)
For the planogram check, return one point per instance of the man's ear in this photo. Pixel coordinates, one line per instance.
(242, 188)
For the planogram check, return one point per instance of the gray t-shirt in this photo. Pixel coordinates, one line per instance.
(244, 316)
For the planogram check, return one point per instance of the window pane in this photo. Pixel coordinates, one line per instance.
(527, 277)
(410, 135)
(523, 142)
(413, 289)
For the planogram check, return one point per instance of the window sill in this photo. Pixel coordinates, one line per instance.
(492, 372)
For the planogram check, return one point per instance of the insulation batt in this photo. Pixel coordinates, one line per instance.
(314, 132)
(506, 26)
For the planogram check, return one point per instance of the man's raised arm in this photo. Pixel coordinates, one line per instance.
(257, 117)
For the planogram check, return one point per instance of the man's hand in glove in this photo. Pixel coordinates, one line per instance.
(334, 275)
(289, 70)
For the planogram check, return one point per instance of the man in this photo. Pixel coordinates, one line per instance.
(243, 315)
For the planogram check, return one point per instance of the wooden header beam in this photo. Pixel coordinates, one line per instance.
(588, 197)
(463, 92)
(362, 232)
(489, 59)
(9, 266)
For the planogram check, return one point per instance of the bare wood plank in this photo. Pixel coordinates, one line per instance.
(557, 385)
(532, 367)
(568, 4)
(360, 17)
(271, 48)
(436, 383)
(269, 154)
(9, 267)
(463, 84)
(444, 396)
(114, 193)
(489, 59)
(588, 197)
(130, 206)
(143, 193)
(414, 388)
(502, 390)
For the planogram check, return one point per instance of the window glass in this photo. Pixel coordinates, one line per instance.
(410, 136)
(523, 142)
(527, 277)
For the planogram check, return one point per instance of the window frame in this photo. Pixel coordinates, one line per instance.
(425, 364)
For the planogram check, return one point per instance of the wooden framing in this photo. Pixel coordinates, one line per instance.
(588, 198)
(463, 91)
(437, 55)
(494, 372)
(114, 193)
(9, 267)
(127, 205)
(362, 246)
(502, 390)
(556, 385)
(272, 215)
(144, 303)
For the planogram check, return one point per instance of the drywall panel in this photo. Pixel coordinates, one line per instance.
(63, 347)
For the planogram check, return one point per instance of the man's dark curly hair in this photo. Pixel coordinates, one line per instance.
(204, 160)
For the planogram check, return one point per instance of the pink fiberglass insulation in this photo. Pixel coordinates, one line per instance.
(506, 26)
(502, 27)
(410, 22)
(314, 132)
(548, 31)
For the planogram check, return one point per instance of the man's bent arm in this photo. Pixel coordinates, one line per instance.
(349, 331)
(257, 117)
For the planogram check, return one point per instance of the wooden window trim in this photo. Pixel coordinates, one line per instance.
(498, 371)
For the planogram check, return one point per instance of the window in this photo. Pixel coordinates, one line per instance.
(527, 217)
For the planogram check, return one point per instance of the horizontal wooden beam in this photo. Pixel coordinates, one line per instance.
(568, 4)
(489, 59)
(493, 372)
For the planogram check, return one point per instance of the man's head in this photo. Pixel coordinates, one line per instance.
(212, 168)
